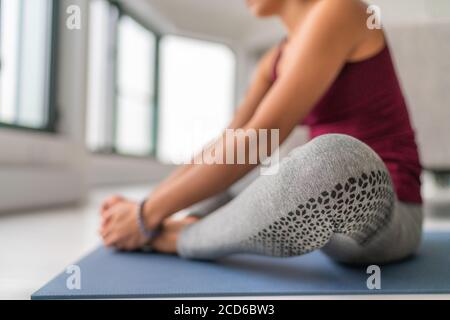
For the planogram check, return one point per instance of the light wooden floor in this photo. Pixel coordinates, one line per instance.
(37, 245)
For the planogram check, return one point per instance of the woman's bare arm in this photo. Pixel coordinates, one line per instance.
(260, 85)
(317, 53)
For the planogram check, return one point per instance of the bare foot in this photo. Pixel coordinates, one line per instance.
(166, 241)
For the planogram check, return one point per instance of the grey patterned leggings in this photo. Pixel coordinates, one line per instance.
(334, 194)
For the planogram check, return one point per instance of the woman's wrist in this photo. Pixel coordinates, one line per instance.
(144, 229)
(150, 214)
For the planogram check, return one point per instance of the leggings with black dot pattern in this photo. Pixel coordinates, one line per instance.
(334, 193)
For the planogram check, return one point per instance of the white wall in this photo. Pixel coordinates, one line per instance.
(395, 12)
(422, 55)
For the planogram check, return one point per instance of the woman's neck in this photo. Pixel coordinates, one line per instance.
(293, 13)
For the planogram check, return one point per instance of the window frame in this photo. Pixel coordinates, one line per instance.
(52, 110)
(110, 148)
(154, 104)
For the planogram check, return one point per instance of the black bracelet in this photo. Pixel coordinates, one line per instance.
(149, 234)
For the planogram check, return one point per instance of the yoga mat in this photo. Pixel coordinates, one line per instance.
(106, 273)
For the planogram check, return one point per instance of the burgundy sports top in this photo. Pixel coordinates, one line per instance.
(366, 102)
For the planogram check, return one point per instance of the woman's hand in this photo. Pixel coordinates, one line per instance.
(119, 227)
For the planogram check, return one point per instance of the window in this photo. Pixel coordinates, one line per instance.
(196, 95)
(138, 106)
(135, 88)
(121, 100)
(100, 100)
(26, 58)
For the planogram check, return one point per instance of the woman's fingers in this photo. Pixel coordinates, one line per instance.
(110, 214)
(111, 201)
(106, 233)
(125, 244)
(108, 225)
(165, 242)
(106, 219)
(107, 216)
(110, 240)
(103, 232)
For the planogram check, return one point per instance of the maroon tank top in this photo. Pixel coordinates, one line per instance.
(366, 102)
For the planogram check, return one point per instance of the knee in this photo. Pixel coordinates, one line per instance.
(338, 153)
(335, 159)
(340, 148)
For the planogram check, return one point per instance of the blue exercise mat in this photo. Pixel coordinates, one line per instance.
(109, 274)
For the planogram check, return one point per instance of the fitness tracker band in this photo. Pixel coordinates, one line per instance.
(149, 234)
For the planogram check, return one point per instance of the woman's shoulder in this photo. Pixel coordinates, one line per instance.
(355, 16)
(346, 18)
(341, 13)
(348, 8)
(343, 21)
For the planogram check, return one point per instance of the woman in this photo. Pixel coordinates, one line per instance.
(352, 191)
